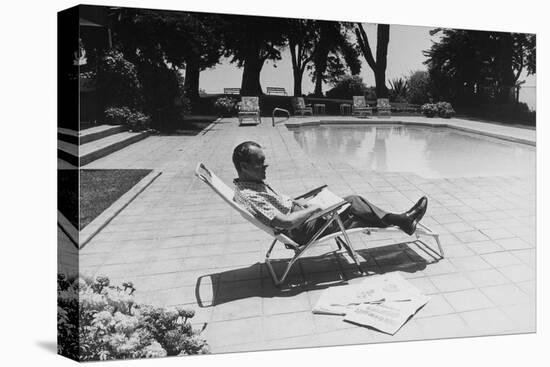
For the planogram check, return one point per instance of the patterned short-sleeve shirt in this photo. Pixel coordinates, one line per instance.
(261, 200)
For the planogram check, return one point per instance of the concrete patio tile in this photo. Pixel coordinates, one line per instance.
(497, 233)
(471, 299)
(444, 326)
(524, 316)
(500, 259)
(484, 247)
(513, 244)
(458, 227)
(352, 336)
(437, 305)
(237, 309)
(452, 282)
(447, 218)
(234, 332)
(489, 321)
(305, 341)
(328, 323)
(505, 295)
(277, 305)
(470, 263)
(460, 250)
(529, 287)
(472, 236)
(424, 285)
(288, 325)
(518, 273)
(486, 277)
(449, 239)
(441, 267)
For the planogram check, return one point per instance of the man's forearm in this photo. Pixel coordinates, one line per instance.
(294, 219)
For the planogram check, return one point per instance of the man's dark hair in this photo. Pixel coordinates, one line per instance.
(242, 153)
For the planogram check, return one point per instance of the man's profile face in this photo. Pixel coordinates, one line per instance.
(255, 168)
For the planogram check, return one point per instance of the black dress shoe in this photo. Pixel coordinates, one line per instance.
(415, 206)
(414, 216)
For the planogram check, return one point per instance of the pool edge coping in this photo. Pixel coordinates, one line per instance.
(413, 123)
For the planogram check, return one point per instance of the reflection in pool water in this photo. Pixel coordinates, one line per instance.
(428, 152)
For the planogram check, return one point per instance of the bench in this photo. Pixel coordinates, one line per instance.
(276, 90)
(232, 91)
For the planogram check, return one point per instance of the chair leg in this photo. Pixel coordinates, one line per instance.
(347, 244)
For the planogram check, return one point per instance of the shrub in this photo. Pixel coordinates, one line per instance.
(118, 82)
(226, 106)
(399, 90)
(98, 321)
(134, 120)
(429, 109)
(442, 109)
(445, 109)
(347, 87)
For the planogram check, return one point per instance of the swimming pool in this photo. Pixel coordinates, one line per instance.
(431, 152)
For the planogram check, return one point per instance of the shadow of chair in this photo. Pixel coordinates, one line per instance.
(312, 273)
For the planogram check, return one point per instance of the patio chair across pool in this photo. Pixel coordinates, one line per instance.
(342, 237)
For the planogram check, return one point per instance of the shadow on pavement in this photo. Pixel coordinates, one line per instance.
(310, 273)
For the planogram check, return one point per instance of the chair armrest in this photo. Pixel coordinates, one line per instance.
(329, 210)
(311, 193)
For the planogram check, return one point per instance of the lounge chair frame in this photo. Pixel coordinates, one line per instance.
(300, 107)
(342, 238)
(245, 112)
(360, 107)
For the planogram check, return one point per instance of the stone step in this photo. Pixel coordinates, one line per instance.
(95, 149)
(88, 135)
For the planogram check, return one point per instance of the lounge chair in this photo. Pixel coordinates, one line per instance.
(249, 107)
(360, 107)
(300, 107)
(341, 238)
(383, 107)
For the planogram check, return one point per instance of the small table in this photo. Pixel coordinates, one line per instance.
(345, 109)
(319, 109)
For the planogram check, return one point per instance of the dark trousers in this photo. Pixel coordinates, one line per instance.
(360, 213)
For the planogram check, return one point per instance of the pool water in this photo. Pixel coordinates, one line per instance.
(428, 152)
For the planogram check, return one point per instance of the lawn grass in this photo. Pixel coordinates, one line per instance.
(102, 187)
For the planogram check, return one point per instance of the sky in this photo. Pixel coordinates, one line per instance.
(404, 55)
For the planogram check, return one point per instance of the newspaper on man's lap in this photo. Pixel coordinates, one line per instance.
(326, 199)
(384, 302)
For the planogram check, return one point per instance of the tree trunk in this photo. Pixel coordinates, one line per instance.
(505, 68)
(383, 38)
(251, 76)
(191, 83)
(297, 81)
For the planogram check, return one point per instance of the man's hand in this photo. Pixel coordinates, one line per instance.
(295, 218)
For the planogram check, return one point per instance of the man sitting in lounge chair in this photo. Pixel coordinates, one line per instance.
(280, 211)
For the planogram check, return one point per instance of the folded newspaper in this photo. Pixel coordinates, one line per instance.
(325, 199)
(384, 302)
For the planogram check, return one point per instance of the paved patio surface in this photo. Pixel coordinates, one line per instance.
(182, 245)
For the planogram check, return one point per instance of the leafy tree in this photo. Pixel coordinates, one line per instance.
(331, 45)
(300, 34)
(169, 40)
(250, 41)
(418, 87)
(473, 66)
(378, 66)
(347, 87)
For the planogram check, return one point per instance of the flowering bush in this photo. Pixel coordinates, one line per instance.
(442, 109)
(98, 321)
(429, 109)
(118, 81)
(445, 109)
(134, 120)
(226, 106)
